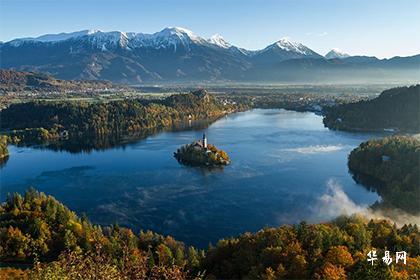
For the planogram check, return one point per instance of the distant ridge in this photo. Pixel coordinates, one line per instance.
(176, 54)
(336, 53)
(15, 81)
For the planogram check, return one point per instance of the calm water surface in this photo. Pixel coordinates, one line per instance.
(285, 167)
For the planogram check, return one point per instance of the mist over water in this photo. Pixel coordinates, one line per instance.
(286, 167)
(315, 149)
(336, 202)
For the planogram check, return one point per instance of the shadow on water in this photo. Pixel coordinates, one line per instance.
(204, 170)
(368, 182)
(390, 199)
(3, 161)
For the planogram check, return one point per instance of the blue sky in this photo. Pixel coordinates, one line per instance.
(384, 28)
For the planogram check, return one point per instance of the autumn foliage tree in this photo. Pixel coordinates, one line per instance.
(37, 230)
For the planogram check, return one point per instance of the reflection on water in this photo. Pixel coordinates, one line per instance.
(89, 142)
(3, 161)
(282, 166)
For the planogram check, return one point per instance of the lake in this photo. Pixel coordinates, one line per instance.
(286, 167)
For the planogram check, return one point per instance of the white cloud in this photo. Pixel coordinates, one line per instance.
(317, 34)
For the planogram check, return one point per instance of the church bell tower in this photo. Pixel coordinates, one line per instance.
(204, 141)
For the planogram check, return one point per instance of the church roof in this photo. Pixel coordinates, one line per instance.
(198, 143)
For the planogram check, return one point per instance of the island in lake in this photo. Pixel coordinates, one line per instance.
(202, 154)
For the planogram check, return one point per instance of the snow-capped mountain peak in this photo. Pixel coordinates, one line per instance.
(287, 49)
(170, 37)
(288, 45)
(218, 40)
(336, 53)
(61, 36)
(179, 32)
(106, 40)
(95, 36)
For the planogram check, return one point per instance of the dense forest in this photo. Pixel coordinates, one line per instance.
(54, 243)
(396, 109)
(37, 229)
(390, 166)
(45, 121)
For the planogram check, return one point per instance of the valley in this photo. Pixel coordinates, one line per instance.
(209, 140)
(115, 165)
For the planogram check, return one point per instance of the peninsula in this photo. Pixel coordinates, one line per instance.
(45, 121)
(390, 166)
(202, 154)
(394, 110)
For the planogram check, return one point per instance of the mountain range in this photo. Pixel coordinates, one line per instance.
(178, 55)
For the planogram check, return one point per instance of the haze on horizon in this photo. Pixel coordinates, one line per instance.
(383, 28)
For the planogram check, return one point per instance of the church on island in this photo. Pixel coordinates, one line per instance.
(201, 144)
(201, 153)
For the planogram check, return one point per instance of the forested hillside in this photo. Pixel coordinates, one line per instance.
(37, 229)
(396, 109)
(390, 166)
(16, 81)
